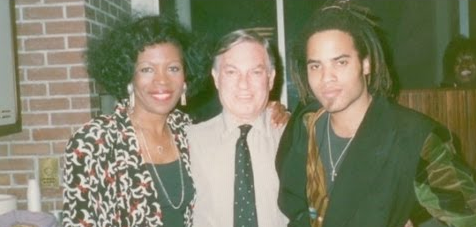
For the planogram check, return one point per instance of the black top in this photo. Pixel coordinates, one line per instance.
(170, 176)
(338, 146)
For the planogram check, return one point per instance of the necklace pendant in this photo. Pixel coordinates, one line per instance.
(160, 149)
(333, 175)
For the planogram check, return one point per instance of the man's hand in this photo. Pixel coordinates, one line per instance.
(279, 115)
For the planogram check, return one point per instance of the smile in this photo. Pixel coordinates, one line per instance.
(466, 72)
(244, 96)
(162, 96)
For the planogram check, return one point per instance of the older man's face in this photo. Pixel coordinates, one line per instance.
(244, 78)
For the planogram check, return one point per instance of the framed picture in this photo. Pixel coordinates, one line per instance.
(10, 120)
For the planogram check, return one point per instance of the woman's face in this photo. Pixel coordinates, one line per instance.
(158, 79)
(465, 68)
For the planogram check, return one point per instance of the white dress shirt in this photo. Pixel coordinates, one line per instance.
(212, 154)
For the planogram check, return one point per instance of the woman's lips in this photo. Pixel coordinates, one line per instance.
(161, 96)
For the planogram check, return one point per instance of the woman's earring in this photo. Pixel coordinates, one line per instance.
(130, 90)
(183, 98)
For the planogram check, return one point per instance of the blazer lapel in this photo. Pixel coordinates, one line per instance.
(362, 164)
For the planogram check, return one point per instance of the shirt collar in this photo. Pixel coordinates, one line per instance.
(260, 125)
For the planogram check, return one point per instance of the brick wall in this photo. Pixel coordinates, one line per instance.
(57, 96)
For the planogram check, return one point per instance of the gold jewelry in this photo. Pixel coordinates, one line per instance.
(160, 149)
(144, 141)
(183, 98)
(130, 90)
(334, 165)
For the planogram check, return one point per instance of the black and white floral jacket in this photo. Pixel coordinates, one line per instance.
(106, 181)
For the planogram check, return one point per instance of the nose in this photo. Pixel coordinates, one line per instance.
(160, 76)
(243, 80)
(328, 74)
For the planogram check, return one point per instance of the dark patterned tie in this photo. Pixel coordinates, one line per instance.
(245, 207)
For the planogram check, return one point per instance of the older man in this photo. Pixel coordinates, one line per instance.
(233, 153)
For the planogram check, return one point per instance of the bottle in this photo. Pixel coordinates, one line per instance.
(33, 196)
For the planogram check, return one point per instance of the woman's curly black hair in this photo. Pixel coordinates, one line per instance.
(111, 58)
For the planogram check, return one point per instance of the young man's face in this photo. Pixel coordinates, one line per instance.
(336, 74)
(244, 78)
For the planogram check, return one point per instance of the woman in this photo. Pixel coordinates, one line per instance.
(132, 168)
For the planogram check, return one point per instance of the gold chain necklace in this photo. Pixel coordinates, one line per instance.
(334, 165)
(144, 141)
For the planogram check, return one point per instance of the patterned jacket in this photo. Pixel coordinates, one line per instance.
(106, 180)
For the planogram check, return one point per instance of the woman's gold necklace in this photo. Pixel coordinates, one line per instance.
(161, 148)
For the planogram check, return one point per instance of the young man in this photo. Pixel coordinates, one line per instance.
(243, 72)
(353, 157)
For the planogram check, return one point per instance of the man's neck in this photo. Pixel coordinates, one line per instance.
(346, 123)
(241, 119)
